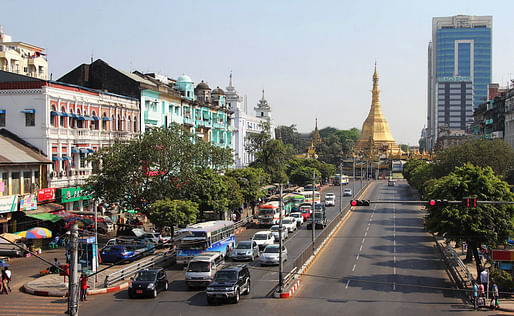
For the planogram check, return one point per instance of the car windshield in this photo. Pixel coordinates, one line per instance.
(271, 250)
(145, 276)
(260, 237)
(266, 211)
(347, 190)
(199, 266)
(223, 276)
(318, 215)
(274, 228)
(243, 245)
(329, 198)
(288, 221)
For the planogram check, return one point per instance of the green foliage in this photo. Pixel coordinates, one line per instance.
(404, 147)
(255, 142)
(234, 193)
(250, 180)
(154, 166)
(489, 224)
(303, 175)
(290, 136)
(323, 170)
(417, 172)
(503, 280)
(271, 157)
(173, 212)
(493, 153)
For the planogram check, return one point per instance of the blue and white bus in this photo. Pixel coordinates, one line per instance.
(206, 236)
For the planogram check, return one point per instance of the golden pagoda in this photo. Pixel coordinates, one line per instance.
(316, 138)
(375, 134)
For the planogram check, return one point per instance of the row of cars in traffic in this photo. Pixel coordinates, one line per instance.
(130, 248)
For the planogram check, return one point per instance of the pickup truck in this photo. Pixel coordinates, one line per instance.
(320, 220)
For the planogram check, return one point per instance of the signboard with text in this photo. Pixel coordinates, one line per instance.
(72, 195)
(8, 203)
(28, 202)
(46, 195)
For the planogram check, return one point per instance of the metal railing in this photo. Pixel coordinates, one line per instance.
(243, 222)
(290, 276)
(131, 270)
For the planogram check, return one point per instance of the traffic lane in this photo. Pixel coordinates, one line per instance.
(332, 270)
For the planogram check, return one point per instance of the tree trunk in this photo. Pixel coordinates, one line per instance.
(469, 254)
(477, 258)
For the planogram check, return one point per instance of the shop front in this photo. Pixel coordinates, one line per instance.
(8, 205)
(74, 200)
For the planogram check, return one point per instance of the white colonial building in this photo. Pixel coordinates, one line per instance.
(246, 124)
(65, 122)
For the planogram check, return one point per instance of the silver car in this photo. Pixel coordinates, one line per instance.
(246, 250)
(271, 254)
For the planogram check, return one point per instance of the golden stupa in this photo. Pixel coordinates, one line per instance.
(376, 135)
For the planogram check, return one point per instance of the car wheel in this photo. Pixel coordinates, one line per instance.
(130, 295)
(154, 294)
(248, 288)
(210, 300)
(238, 296)
(166, 286)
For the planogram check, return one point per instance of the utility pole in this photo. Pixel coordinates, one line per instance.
(361, 170)
(353, 192)
(73, 286)
(93, 261)
(280, 266)
(313, 208)
(341, 188)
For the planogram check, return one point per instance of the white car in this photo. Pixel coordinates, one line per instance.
(271, 254)
(330, 201)
(264, 238)
(330, 195)
(284, 234)
(347, 192)
(298, 216)
(289, 223)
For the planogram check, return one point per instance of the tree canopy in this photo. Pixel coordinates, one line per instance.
(173, 212)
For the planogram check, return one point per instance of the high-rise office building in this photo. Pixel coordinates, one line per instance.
(459, 71)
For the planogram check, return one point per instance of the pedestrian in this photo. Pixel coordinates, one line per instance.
(83, 287)
(496, 295)
(484, 278)
(234, 217)
(475, 295)
(6, 274)
(481, 290)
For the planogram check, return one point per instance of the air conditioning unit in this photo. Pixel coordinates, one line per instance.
(70, 173)
(52, 174)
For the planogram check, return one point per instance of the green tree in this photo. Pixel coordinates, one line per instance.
(234, 193)
(250, 180)
(303, 175)
(489, 224)
(290, 135)
(173, 212)
(493, 153)
(271, 157)
(417, 172)
(256, 141)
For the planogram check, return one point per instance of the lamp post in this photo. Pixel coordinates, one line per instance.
(341, 187)
(280, 266)
(313, 208)
(353, 192)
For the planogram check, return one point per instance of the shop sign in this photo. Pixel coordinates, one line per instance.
(28, 202)
(8, 203)
(70, 195)
(503, 255)
(46, 195)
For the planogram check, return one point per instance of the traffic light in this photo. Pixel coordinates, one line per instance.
(438, 203)
(360, 202)
(470, 202)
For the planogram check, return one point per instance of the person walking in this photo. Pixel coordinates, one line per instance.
(496, 295)
(6, 274)
(83, 287)
(475, 295)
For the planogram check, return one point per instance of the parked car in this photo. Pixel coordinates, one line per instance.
(289, 223)
(347, 192)
(275, 231)
(320, 220)
(229, 284)
(148, 283)
(10, 250)
(298, 216)
(263, 238)
(330, 201)
(271, 254)
(111, 254)
(246, 250)
(154, 237)
(201, 269)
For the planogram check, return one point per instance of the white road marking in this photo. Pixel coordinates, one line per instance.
(360, 248)
(353, 269)
(363, 240)
(365, 234)
(347, 283)
(357, 259)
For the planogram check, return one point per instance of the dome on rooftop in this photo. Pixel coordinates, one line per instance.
(218, 91)
(203, 86)
(184, 78)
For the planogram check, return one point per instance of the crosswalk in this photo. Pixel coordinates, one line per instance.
(18, 303)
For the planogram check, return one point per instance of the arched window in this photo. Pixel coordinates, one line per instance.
(120, 123)
(113, 123)
(80, 122)
(135, 125)
(129, 125)
(54, 117)
(94, 123)
(71, 120)
(104, 121)
(63, 118)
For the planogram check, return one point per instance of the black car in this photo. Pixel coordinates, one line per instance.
(148, 283)
(229, 283)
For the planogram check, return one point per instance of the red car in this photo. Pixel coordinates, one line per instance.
(306, 212)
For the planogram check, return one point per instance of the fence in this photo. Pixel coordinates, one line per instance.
(130, 270)
(457, 269)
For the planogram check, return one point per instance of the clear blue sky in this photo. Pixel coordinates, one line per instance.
(312, 58)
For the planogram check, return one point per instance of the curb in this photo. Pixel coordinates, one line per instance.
(240, 230)
(291, 291)
(44, 293)
(109, 289)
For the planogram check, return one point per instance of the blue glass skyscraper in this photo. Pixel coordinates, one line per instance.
(460, 52)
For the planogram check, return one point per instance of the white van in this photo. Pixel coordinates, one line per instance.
(201, 269)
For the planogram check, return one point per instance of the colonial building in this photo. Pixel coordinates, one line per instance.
(246, 124)
(67, 123)
(22, 58)
(163, 100)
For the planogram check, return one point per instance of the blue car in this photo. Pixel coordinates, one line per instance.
(111, 254)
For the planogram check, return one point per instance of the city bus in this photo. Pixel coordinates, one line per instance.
(269, 213)
(297, 201)
(344, 179)
(308, 196)
(207, 236)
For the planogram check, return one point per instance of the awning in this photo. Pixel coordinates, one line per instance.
(96, 118)
(65, 114)
(74, 150)
(28, 111)
(105, 118)
(89, 150)
(74, 116)
(46, 217)
(88, 118)
(83, 150)
(66, 158)
(81, 118)
(54, 158)
(53, 113)
(46, 208)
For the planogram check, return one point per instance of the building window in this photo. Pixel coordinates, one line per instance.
(4, 185)
(36, 180)
(135, 125)
(120, 123)
(63, 118)
(15, 178)
(2, 118)
(82, 160)
(30, 119)
(27, 182)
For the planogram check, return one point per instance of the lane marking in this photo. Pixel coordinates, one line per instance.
(360, 248)
(357, 259)
(353, 269)
(365, 234)
(347, 283)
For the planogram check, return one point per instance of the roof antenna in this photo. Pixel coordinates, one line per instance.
(92, 54)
